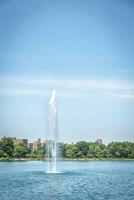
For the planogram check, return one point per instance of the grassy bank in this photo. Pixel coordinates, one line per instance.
(66, 159)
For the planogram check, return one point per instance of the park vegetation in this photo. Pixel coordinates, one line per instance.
(79, 150)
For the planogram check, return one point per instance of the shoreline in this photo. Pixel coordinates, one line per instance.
(65, 159)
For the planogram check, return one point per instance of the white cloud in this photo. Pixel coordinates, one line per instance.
(14, 85)
(124, 96)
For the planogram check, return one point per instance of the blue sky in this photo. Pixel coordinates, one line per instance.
(83, 49)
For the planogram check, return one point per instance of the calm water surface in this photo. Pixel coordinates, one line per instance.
(93, 180)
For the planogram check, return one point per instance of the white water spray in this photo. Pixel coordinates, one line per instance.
(52, 142)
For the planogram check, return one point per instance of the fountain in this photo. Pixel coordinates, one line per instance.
(52, 140)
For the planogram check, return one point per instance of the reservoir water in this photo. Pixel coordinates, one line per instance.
(92, 180)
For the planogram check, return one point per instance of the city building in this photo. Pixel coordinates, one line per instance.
(30, 145)
(99, 141)
(17, 141)
(20, 141)
(37, 144)
(33, 145)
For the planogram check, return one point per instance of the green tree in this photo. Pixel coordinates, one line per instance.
(62, 150)
(21, 151)
(82, 148)
(7, 147)
(97, 150)
(34, 154)
(119, 149)
(2, 154)
(41, 152)
(72, 151)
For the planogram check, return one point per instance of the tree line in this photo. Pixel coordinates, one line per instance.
(79, 150)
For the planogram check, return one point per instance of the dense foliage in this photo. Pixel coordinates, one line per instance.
(9, 150)
(82, 149)
(98, 150)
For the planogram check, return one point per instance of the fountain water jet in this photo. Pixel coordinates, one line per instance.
(52, 140)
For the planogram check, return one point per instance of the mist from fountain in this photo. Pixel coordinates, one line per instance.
(52, 140)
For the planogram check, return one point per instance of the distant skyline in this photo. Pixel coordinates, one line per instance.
(84, 50)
